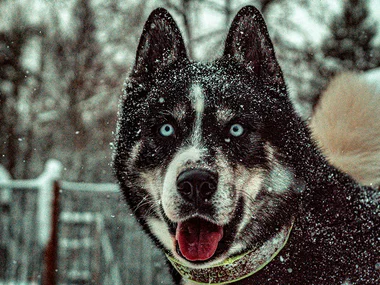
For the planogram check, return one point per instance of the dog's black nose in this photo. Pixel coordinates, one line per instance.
(197, 185)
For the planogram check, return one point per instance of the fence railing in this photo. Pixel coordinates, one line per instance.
(99, 241)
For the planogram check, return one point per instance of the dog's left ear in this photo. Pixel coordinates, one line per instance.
(248, 43)
(160, 44)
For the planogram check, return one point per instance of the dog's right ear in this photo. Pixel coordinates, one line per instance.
(249, 44)
(160, 44)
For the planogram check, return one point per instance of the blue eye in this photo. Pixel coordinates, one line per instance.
(236, 130)
(166, 130)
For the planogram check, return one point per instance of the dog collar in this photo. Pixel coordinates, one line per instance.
(238, 267)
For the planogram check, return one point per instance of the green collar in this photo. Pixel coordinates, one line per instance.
(238, 267)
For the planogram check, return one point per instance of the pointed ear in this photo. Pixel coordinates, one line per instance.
(248, 43)
(160, 44)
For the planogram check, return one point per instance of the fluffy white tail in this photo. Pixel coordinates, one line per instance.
(346, 125)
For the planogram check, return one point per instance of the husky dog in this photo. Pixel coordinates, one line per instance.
(223, 175)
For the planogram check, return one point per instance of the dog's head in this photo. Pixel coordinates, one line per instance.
(193, 156)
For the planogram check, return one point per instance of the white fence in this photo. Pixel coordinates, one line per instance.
(99, 240)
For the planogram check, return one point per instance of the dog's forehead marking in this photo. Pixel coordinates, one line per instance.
(197, 98)
(198, 103)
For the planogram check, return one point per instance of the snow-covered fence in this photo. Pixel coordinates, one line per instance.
(44, 185)
(4, 178)
(25, 215)
(126, 253)
(99, 240)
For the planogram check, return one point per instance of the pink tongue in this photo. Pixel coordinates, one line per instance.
(198, 239)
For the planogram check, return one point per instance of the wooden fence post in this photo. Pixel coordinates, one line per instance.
(50, 274)
(5, 200)
(51, 173)
(47, 218)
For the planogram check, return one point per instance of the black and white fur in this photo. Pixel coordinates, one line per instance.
(233, 119)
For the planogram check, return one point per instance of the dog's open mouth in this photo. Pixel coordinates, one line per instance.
(198, 239)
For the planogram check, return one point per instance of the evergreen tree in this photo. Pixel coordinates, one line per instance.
(350, 45)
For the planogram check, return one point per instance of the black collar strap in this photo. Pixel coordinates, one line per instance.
(238, 267)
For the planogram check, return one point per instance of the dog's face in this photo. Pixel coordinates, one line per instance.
(192, 157)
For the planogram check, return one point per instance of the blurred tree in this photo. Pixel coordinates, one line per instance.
(13, 79)
(66, 107)
(350, 46)
(78, 64)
